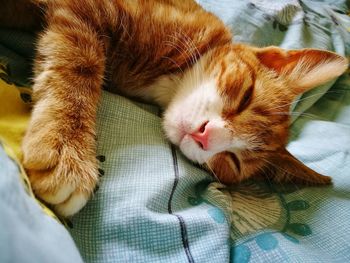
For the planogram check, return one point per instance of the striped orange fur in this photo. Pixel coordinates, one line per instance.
(180, 56)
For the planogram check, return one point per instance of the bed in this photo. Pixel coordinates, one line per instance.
(152, 204)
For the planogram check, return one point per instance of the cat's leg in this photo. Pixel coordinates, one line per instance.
(59, 145)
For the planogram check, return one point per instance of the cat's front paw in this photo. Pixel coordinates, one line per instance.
(63, 174)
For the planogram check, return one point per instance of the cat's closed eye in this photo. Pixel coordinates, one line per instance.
(246, 99)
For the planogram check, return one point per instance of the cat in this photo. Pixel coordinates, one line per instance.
(225, 104)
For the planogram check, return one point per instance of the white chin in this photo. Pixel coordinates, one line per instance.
(193, 152)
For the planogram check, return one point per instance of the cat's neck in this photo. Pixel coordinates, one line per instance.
(163, 89)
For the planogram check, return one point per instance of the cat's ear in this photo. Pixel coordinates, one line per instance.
(305, 68)
(288, 169)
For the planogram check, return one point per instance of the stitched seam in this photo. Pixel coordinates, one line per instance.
(183, 228)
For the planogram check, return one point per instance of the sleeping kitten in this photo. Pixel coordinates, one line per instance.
(224, 103)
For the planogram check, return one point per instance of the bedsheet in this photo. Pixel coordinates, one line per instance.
(155, 206)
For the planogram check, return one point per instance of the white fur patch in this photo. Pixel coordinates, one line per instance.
(76, 202)
(196, 102)
(60, 196)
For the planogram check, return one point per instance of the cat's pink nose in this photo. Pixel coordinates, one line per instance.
(201, 136)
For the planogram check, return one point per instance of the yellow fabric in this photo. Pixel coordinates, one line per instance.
(14, 118)
(14, 115)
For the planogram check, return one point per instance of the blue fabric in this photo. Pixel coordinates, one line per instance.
(142, 212)
(26, 233)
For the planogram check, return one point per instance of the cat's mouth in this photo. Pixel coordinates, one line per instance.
(201, 145)
(193, 150)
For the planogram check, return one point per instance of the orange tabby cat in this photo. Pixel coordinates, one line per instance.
(221, 100)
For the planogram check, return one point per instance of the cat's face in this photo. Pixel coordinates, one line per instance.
(232, 110)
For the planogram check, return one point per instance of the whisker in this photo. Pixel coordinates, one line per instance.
(173, 45)
(213, 173)
(191, 51)
(304, 114)
(184, 51)
(284, 171)
(176, 64)
(302, 99)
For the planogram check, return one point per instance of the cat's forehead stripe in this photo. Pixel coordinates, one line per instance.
(246, 99)
(238, 77)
